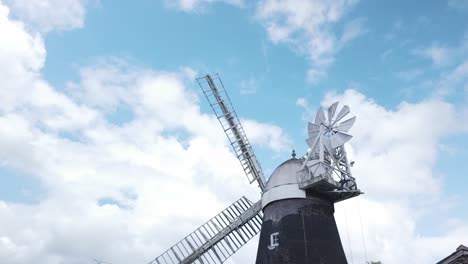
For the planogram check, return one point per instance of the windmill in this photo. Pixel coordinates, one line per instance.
(295, 214)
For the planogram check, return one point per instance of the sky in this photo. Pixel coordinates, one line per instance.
(108, 149)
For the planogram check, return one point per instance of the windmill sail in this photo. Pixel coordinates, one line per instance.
(219, 238)
(227, 117)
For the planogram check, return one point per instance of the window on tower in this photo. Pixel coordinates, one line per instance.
(274, 241)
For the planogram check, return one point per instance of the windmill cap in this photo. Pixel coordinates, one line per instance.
(283, 184)
(285, 173)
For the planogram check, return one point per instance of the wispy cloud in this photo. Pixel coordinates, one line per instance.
(459, 5)
(438, 54)
(386, 54)
(307, 26)
(396, 28)
(454, 81)
(315, 75)
(249, 86)
(267, 135)
(190, 6)
(409, 75)
(443, 54)
(353, 30)
(47, 15)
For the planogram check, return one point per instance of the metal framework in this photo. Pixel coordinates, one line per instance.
(227, 117)
(219, 238)
(326, 168)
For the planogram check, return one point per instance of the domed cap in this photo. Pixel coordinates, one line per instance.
(285, 173)
(282, 183)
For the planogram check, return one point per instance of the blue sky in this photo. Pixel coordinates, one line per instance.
(101, 116)
(381, 63)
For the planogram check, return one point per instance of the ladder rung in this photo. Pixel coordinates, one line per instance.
(242, 206)
(229, 212)
(175, 254)
(246, 228)
(217, 251)
(240, 235)
(199, 239)
(222, 248)
(207, 234)
(210, 228)
(235, 211)
(211, 257)
(179, 249)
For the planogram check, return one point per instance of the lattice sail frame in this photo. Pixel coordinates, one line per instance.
(215, 93)
(219, 238)
(326, 168)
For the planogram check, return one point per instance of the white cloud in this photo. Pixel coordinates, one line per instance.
(314, 75)
(390, 232)
(453, 81)
(439, 55)
(352, 30)
(168, 163)
(20, 50)
(453, 64)
(249, 86)
(199, 5)
(47, 15)
(268, 135)
(445, 55)
(395, 152)
(407, 136)
(307, 27)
